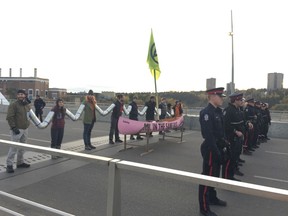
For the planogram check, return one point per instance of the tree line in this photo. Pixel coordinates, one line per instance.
(277, 99)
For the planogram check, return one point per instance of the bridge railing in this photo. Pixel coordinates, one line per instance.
(114, 177)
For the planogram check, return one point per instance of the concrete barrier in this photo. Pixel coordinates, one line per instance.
(276, 129)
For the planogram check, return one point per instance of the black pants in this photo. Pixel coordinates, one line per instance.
(56, 137)
(114, 129)
(39, 113)
(211, 167)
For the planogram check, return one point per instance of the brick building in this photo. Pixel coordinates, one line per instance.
(33, 85)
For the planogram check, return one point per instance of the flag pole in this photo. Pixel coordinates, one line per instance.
(157, 102)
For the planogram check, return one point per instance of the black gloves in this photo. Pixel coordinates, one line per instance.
(16, 131)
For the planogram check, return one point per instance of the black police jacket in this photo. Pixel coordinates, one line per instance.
(212, 128)
(233, 120)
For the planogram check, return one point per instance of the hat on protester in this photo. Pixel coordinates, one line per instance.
(90, 92)
(216, 91)
(21, 91)
(250, 100)
(236, 96)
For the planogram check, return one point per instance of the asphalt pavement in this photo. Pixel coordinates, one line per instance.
(80, 188)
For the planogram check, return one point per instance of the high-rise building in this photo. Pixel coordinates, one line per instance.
(210, 83)
(275, 81)
(230, 88)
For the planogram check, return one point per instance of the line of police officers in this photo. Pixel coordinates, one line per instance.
(240, 127)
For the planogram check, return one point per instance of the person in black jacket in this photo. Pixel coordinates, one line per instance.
(234, 131)
(116, 113)
(134, 116)
(39, 105)
(212, 148)
(150, 112)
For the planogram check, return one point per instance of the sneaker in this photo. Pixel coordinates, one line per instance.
(139, 138)
(9, 169)
(23, 165)
(111, 142)
(88, 148)
(118, 141)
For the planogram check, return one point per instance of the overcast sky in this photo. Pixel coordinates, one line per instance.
(103, 45)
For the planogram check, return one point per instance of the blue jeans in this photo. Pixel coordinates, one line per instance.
(87, 133)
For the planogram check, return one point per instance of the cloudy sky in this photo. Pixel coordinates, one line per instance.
(103, 45)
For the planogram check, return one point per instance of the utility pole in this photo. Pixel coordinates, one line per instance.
(232, 36)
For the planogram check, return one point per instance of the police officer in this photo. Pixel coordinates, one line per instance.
(250, 116)
(212, 129)
(234, 131)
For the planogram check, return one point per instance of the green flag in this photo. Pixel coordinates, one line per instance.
(152, 58)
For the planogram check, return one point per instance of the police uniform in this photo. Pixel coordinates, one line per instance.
(250, 116)
(211, 121)
(233, 121)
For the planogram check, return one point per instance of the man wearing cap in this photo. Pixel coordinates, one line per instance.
(260, 122)
(250, 116)
(89, 119)
(17, 117)
(234, 131)
(212, 129)
(267, 120)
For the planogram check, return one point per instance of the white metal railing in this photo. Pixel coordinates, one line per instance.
(114, 177)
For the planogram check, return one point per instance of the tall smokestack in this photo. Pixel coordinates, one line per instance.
(10, 72)
(20, 72)
(35, 72)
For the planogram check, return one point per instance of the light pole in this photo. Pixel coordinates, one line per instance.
(232, 36)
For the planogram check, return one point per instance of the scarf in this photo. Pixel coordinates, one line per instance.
(92, 101)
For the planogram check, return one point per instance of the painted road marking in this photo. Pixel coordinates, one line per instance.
(280, 153)
(271, 179)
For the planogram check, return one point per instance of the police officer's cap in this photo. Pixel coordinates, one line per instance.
(216, 91)
(250, 100)
(236, 96)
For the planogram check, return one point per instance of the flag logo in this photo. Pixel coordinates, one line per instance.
(152, 58)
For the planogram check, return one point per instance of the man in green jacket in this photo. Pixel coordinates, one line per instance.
(18, 120)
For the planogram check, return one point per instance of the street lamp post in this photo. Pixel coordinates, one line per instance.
(232, 36)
